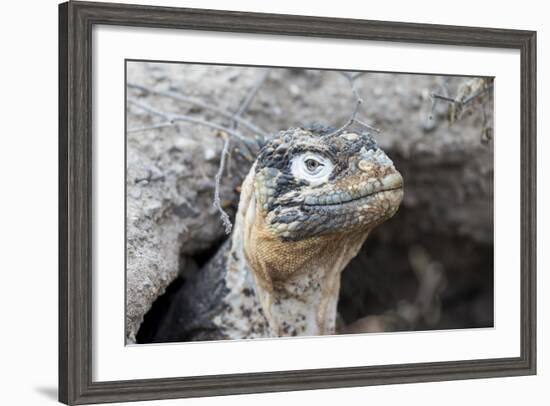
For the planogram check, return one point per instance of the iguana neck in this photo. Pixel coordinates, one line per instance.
(279, 288)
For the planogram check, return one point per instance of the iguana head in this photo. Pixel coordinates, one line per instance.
(307, 205)
(309, 184)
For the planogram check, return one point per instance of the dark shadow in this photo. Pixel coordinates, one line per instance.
(154, 317)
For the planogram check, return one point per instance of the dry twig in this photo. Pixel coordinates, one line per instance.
(248, 99)
(191, 100)
(351, 77)
(225, 151)
(217, 202)
(172, 119)
(470, 92)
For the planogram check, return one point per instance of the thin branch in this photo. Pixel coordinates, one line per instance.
(435, 97)
(466, 101)
(151, 110)
(370, 127)
(460, 104)
(474, 96)
(354, 76)
(444, 98)
(171, 120)
(358, 102)
(217, 202)
(174, 118)
(200, 103)
(150, 127)
(250, 96)
(486, 130)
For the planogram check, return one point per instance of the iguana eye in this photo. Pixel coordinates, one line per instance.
(312, 167)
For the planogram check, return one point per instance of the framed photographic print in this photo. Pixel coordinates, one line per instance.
(258, 202)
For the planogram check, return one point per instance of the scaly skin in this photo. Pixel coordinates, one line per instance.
(306, 207)
(300, 231)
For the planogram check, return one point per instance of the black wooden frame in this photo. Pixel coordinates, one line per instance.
(76, 20)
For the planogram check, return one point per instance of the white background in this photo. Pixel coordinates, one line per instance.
(28, 203)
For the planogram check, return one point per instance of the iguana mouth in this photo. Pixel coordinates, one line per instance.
(355, 200)
(344, 197)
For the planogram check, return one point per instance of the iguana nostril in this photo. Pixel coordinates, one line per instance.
(393, 180)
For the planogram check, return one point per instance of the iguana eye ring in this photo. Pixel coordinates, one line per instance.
(313, 167)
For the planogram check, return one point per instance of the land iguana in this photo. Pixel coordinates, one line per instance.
(306, 207)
